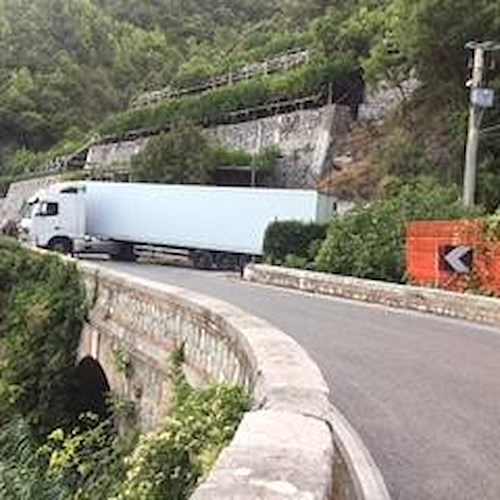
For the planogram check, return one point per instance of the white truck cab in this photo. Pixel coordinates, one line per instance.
(57, 217)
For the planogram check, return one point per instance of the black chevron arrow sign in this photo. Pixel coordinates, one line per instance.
(457, 259)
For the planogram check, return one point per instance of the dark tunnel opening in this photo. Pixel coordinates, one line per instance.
(91, 389)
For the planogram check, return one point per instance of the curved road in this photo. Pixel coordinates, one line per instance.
(422, 391)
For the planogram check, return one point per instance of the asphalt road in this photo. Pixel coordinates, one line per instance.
(422, 391)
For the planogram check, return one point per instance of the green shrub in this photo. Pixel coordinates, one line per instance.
(266, 159)
(182, 156)
(22, 470)
(403, 158)
(285, 238)
(169, 463)
(296, 262)
(42, 309)
(87, 461)
(26, 161)
(212, 107)
(369, 242)
(232, 157)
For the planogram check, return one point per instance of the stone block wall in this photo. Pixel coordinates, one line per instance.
(291, 444)
(305, 138)
(149, 327)
(115, 155)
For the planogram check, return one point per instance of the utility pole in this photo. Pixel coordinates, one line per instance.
(473, 134)
(480, 99)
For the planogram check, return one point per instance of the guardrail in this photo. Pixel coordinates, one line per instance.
(283, 62)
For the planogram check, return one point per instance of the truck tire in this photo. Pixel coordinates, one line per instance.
(61, 245)
(125, 253)
(202, 259)
(227, 261)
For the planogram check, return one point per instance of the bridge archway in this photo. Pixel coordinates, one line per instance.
(92, 388)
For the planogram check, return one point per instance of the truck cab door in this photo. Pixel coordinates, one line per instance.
(46, 222)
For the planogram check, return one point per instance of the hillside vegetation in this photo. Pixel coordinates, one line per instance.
(69, 68)
(51, 445)
(67, 64)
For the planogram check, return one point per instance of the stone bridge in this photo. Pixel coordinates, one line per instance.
(292, 444)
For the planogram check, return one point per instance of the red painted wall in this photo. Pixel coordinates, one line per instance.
(426, 243)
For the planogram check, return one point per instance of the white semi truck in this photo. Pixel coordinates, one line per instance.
(216, 226)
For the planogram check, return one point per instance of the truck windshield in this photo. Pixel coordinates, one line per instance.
(26, 210)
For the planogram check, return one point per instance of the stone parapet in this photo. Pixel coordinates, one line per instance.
(292, 444)
(464, 306)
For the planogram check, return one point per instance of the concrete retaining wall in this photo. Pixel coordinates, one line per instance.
(293, 444)
(305, 138)
(456, 305)
(115, 155)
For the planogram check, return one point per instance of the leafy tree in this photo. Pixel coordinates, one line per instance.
(145, 60)
(183, 156)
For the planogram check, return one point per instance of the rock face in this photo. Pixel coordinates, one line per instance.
(306, 138)
(384, 99)
(18, 193)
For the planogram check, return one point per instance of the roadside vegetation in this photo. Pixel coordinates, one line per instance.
(47, 450)
(186, 156)
(369, 241)
(213, 107)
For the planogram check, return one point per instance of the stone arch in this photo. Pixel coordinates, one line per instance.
(92, 388)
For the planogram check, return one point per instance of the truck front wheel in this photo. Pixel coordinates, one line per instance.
(61, 245)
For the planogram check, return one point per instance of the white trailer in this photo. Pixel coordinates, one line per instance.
(217, 226)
